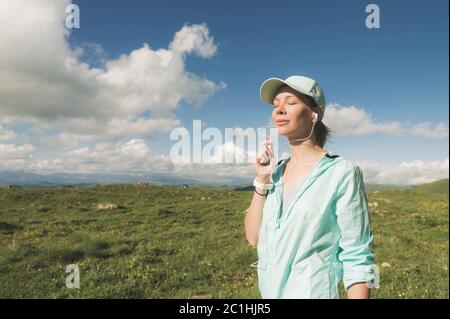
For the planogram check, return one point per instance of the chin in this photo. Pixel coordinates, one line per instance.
(283, 131)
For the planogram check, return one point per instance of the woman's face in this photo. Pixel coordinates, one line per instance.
(291, 115)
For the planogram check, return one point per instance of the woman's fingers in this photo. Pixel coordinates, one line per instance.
(262, 148)
(265, 159)
(265, 152)
(270, 151)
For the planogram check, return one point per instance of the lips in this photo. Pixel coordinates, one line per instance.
(282, 122)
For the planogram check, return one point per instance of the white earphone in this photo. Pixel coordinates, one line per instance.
(316, 116)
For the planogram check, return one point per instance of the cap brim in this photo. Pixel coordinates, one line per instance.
(269, 88)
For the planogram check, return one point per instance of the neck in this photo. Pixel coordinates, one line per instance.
(303, 152)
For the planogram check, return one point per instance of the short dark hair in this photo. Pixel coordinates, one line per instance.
(321, 131)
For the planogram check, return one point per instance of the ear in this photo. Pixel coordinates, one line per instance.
(319, 111)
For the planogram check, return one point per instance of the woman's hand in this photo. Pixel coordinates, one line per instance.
(264, 169)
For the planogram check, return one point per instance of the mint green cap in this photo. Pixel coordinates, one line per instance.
(302, 84)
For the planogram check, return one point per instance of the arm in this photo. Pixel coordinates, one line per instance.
(354, 223)
(358, 291)
(254, 214)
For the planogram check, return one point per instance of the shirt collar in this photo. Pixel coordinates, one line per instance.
(285, 157)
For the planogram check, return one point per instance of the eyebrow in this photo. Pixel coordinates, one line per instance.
(287, 96)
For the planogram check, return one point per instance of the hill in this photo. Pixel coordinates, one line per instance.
(370, 187)
(439, 186)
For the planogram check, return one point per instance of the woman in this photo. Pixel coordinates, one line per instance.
(308, 216)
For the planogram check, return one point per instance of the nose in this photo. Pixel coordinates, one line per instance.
(280, 109)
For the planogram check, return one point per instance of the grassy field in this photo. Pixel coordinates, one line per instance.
(168, 242)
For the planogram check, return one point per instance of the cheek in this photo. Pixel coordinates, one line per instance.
(294, 113)
(299, 114)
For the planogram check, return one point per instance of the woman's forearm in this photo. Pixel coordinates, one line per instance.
(358, 291)
(253, 217)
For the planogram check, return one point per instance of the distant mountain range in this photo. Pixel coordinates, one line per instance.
(28, 179)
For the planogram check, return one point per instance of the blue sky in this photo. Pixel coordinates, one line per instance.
(396, 73)
(56, 115)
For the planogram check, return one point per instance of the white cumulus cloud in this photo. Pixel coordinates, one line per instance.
(406, 173)
(46, 82)
(131, 157)
(354, 121)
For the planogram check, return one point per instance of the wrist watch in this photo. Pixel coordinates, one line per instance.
(261, 185)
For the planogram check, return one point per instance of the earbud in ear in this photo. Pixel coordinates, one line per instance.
(315, 117)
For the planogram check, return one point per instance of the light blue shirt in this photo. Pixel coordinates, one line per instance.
(321, 238)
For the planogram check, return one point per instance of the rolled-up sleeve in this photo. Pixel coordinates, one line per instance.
(353, 220)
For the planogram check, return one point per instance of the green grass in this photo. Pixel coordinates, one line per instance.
(439, 186)
(180, 243)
